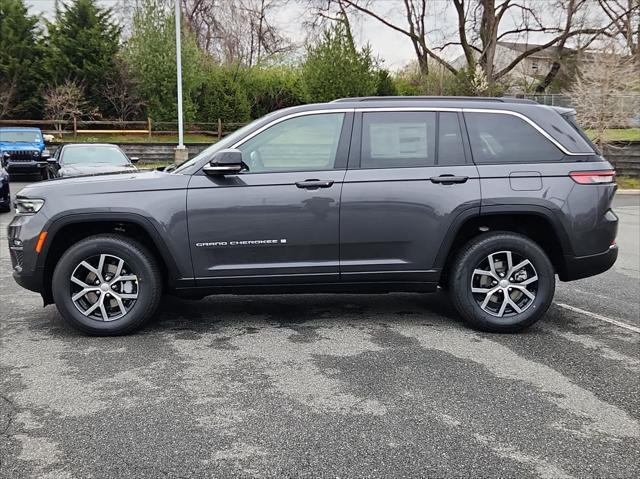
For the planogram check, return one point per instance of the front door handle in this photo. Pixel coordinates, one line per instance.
(448, 179)
(314, 184)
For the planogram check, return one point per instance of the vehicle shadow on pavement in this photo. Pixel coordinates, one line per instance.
(299, 310)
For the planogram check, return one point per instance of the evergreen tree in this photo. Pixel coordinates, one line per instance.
(335, 68)
(151, 53)
(82, 44)
(20, 61)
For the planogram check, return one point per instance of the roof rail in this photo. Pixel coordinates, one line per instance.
(435, 98)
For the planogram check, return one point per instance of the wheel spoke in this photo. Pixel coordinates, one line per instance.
(529, 280)
(119, 268)
(128, 277)
(103, 310)
(92, 269)
(503, 306)
(93, 307)
(513, 304)
(80, 283)
(487, 298)
(524, 290)
(101, 266)
(509, 261)
(123, 310)
(519, 266)
(481, 272)
(86, 290)
(481, 290)
(492, 266)
(128, 295)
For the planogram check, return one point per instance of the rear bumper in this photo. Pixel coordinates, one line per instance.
(578, 267)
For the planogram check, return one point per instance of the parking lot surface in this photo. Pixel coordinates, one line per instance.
(328, 386)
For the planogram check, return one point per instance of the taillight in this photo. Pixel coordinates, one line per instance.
(593, 177)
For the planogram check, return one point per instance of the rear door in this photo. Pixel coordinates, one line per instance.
(410, 177)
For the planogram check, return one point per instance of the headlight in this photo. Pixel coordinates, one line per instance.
(28, 206)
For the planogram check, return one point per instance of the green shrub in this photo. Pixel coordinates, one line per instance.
(272, 88)
(221, 95)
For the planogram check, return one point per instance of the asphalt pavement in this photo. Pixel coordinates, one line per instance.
(334, 386)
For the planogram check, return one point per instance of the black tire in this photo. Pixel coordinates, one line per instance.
(137, 259)
(466, 271)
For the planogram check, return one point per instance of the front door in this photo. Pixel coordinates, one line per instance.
(278, 221)
(405, 187)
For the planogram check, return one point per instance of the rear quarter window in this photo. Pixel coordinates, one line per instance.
(502, 138)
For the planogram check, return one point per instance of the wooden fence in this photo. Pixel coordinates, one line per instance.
(149, 127)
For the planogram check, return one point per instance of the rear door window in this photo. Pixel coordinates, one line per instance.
(398, 139)
(502, 138)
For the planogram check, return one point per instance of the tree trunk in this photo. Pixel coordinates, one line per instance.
(488, 37)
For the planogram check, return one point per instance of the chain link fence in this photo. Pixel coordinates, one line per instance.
(628, 106)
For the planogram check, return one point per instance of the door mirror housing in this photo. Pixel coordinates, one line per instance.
(225, 162)
(45, 155)
(134, 159)
(4, 160)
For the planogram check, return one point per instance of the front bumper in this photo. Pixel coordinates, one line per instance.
(578, 267)
(25, 166)
(22, 235)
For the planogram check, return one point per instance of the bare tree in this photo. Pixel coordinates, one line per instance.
(602, 90)
(121, 93)
(240, 31)
(481, 25)
(625, 18)
(67, 101)
(8, 88)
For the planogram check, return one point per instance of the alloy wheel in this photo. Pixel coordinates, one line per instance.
(104, 287)
(504, 284)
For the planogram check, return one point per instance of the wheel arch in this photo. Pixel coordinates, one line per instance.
(536, 222)
(67, 230)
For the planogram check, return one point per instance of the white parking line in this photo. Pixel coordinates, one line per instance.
(600, 317)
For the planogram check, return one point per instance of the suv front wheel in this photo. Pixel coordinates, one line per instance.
(107, 285)
(502, 282)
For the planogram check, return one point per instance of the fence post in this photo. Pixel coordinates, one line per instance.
(75, 128)
(149, 125)
(219, 129)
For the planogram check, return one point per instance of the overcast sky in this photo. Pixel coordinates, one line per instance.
(393, 48)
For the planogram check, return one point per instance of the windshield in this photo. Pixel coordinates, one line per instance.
(92, 155)
(226, 142)
(20, 136)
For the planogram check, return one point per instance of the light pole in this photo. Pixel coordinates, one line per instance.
(181, 153)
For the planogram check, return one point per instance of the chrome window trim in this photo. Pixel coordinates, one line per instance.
(288, 117)
(528, 120)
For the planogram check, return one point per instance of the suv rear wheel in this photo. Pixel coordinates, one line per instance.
(107, 285)
(502, 282)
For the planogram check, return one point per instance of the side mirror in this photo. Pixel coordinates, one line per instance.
(225, 162)
(52, 160)
(134, 159)
(46, 155)
(5, 159)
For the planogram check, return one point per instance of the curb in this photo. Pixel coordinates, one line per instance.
(628, 192)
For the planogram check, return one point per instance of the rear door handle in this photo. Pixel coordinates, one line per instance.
(314, 184)
(449, 179)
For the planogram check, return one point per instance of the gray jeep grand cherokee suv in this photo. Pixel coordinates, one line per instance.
(488, 198)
